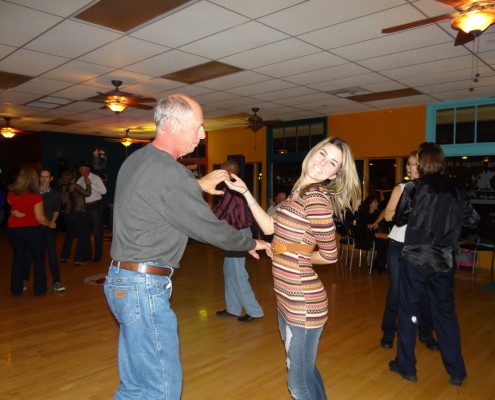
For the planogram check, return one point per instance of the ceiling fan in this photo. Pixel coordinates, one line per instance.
(126, 140)
(8, 131)
(471, 19)
(256, 122)
(118, 101)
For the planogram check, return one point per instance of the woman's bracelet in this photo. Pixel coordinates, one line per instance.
(247, 190)
(252, 204)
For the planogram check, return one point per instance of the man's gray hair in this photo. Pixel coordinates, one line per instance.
(170, 107)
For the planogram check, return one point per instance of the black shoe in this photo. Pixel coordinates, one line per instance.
(392, 365)
(225, 313)
(247, 318)
(387, 343)
(456, 381)
(430, 343)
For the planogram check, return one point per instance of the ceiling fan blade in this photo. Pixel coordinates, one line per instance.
(140, 106)
(453, 3)
(138, 100)
(416, 24)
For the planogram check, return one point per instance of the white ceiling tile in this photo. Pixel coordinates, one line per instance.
(123, 52)
(76, 71)
(261, 87)
(296, 101)
(347, 82)
(326, 74)
(30, 63)
(302, 64)
(388, 44)
(42, 86)
(72, 39)
(128, 78)
(401, 101)
(63, 8)
(283, 94)
(78, 92)
(189, 24)
(155, 86)
(237, 79)
(234, 40)
(190, 90)
(166, 63)
(316, 14)
(33, 24)
(256, 8)
(15, 97)
(434, 67)
(240, 103)
(360, 29)
(416, 56)
(5, 50)
(272, 53)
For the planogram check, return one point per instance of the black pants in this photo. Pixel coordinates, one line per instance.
(415, 282)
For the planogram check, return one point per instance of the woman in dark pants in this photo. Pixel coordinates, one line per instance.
(24, 231)
(434, 209)
(75, 217)
(395, 245)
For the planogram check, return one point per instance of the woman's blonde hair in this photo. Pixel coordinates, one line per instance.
(27, 180)
(345, 189)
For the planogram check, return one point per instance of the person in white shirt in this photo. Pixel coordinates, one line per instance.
(94, 208)
(279, 199)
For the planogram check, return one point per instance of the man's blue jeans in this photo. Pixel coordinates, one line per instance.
(301, 347)
(149, 361)
(238, 291)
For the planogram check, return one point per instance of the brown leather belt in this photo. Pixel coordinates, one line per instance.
(143, 268)
(279, 248)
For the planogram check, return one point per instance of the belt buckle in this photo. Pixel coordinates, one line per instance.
(278, 248)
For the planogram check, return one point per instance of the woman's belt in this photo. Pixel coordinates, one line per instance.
(279, 248)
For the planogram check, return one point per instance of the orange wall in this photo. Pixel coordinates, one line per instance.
(384, 133)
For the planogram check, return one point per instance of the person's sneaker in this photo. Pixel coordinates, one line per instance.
(456, 381)
(392, 365)
(58, 287)
(24, 285)
(387, 343)
(430, 343)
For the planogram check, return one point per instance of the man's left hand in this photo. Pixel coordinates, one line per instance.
(209, 182)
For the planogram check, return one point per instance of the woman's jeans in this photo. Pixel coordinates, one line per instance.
(395, 268)
(148, 359)
(301, 346)
(27, 245)
(238, 291)
(77, 227)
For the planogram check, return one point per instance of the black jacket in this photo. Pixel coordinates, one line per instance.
(434, 209)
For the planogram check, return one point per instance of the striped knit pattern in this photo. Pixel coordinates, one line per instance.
(301, 297)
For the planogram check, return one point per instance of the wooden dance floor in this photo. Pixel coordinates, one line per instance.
(63, 346)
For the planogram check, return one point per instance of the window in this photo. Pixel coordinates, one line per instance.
(297, 137)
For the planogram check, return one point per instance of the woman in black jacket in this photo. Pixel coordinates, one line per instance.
(434, 209)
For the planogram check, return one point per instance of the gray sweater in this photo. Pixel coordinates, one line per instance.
(158, 206)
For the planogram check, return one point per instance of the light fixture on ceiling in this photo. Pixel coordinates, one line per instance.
(117, 105)
(476, 19)
(7, 132)
(126, 142)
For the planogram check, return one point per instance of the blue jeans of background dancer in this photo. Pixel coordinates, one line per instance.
(238, 291)
(301, 347)
(148, 355)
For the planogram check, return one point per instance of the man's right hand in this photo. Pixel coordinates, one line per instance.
(209, 182)
(262, 245)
